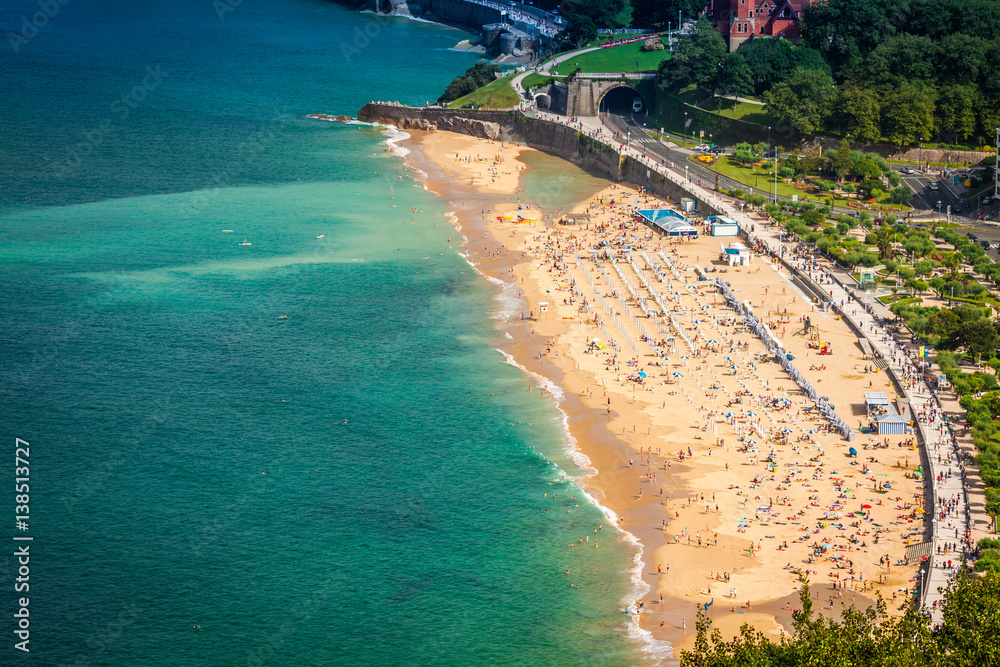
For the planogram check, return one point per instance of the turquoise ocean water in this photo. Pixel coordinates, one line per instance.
(309, 446)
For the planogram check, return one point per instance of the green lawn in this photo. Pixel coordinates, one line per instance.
(497, 94)
(616, 59)
(745, 111)
(763, 179)
(535, 79)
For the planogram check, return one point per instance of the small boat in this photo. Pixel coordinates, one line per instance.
(321, 236)
(227, 231)
(245, 243)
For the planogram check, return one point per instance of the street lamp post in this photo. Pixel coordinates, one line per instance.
(775, 165)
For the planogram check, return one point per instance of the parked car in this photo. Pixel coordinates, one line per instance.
(985, 244)
(702, 147)
(933, 185)
(907, 170)
(972, 237)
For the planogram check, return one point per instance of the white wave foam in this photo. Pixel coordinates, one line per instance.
(655, 649)
(394, 137)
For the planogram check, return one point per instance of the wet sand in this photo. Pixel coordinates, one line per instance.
(670, 464)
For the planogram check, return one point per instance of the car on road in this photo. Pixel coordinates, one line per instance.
(985, 244)
(987, 200)
(972, 237)
(637, 105)
(719, 150)
(702, 147)
(932, 185)
(907, 170)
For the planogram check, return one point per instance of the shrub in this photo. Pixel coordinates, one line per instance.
(652, 44)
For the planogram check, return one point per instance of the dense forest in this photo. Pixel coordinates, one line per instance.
(903, 71)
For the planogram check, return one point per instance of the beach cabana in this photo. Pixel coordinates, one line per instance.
(736, 254)
(877, 403)
(891, 424)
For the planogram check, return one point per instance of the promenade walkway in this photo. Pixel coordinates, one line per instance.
(947, 493)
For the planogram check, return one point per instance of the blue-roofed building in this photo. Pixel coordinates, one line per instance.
(668, 222)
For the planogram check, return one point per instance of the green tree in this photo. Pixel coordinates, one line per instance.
(860, 114)
(842, 162)
(657, 13)
(845, 31)
(733, 76)
(908, 116)
(804, 101)
(743, 152)
(695, 60)
(955, 112)
(604, 13)
(474, 78)
(769, 60)
(977, 337)
(578, 34)
(900, 195)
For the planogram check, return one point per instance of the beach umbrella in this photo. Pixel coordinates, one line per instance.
(677, 375)
(642, 375)
(866, 507)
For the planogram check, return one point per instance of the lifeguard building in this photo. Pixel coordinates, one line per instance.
(739, 20)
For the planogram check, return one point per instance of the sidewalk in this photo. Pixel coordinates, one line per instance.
(949, 523)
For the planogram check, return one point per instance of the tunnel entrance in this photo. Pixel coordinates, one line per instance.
(543, 101)
(623, 100)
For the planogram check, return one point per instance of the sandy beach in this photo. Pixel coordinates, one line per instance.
(705, 449)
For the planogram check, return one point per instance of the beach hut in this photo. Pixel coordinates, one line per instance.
(689, 205)
(891, 424)
(736, 254)
(723, 226)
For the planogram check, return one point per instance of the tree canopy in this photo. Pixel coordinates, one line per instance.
(969, 635)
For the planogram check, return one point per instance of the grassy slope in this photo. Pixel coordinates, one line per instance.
(497, 94)
(615, 59)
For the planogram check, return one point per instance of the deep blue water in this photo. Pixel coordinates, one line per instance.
(308, 447)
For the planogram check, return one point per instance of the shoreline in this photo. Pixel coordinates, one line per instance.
(590, 444)
(595, 427)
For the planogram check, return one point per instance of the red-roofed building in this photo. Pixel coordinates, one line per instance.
(739, 20)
